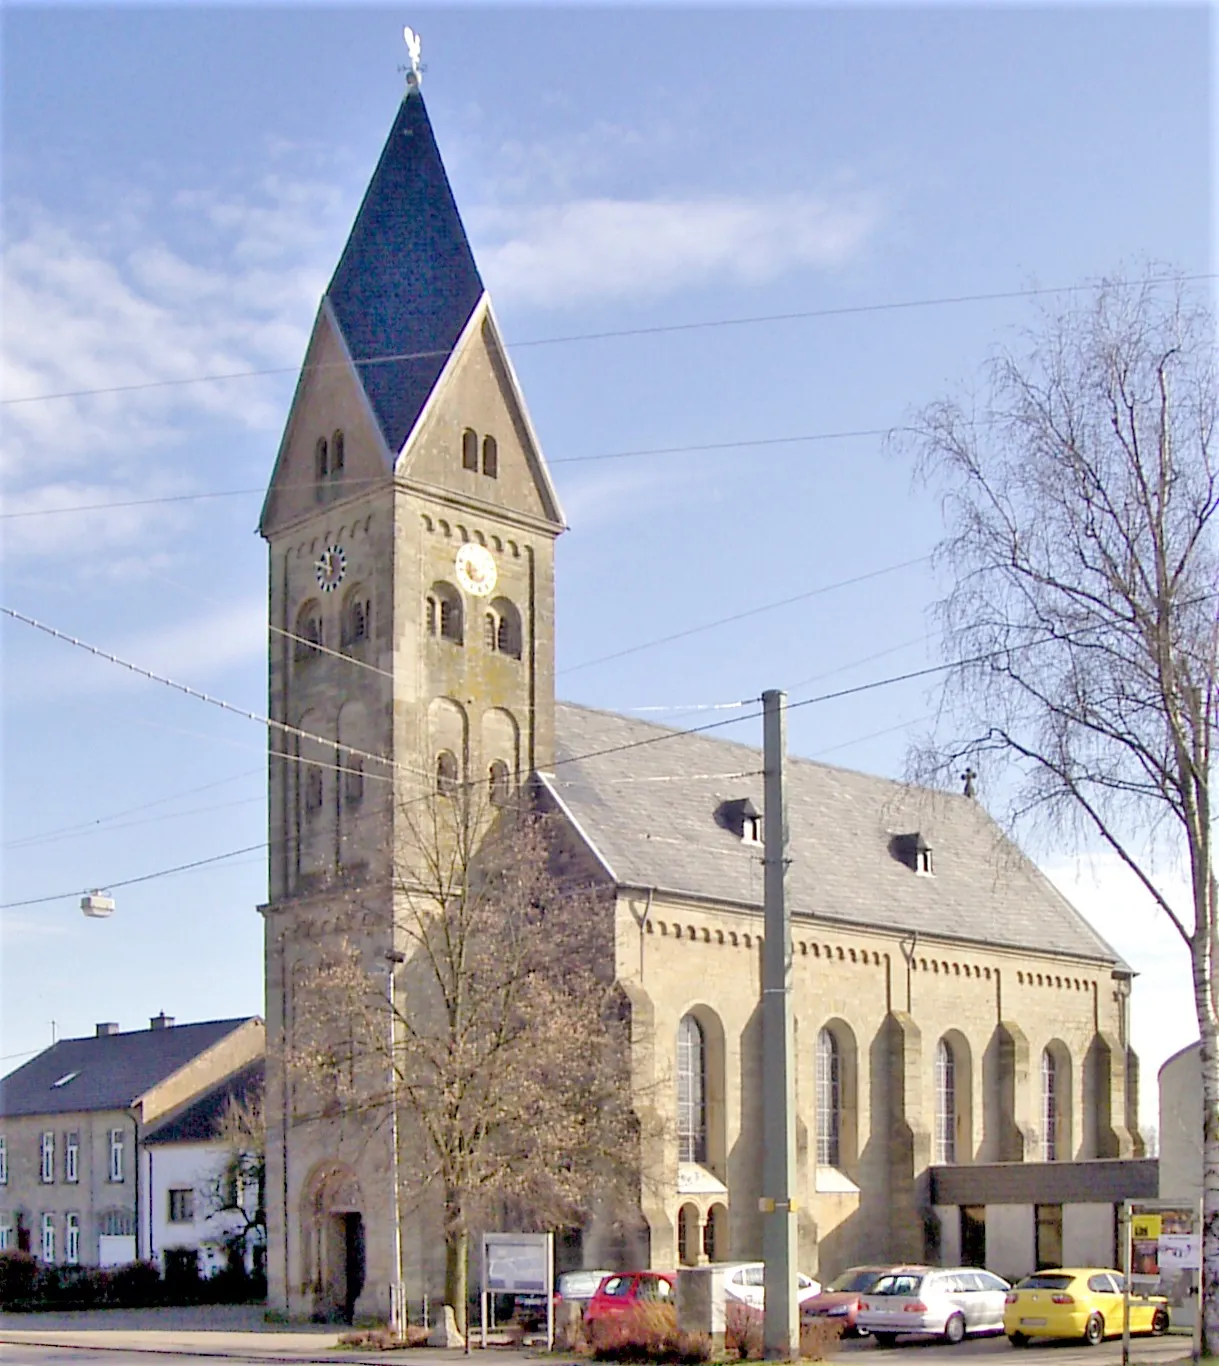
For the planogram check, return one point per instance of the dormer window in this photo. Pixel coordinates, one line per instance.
(914, 851)
(742, 818)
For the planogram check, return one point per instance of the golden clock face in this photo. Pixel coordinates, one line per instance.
(476, 570)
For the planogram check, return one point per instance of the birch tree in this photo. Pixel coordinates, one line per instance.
(1080, 511)
(509, 1063)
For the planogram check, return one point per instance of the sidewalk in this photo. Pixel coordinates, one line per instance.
(221, 1331)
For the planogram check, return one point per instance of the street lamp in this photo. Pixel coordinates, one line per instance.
(397, 1305)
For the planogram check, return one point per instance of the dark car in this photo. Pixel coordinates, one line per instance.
(840, 1299)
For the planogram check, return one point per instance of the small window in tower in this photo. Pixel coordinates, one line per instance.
(353, 780)
(338, 453)
(357, 616)
(469, 450)
(448, 613)
(321, 459)
(499, 783)
(308, 633)
(446, 773)
(432, 615)
(490, 457)
(508, 628)
(313, 790)
(490, 630)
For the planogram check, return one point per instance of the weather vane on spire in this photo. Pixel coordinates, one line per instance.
(413, 46)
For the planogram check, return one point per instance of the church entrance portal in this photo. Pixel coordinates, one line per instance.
(336, 1226)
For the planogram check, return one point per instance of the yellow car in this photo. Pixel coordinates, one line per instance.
(1077, 1303)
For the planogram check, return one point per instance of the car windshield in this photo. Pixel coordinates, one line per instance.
(1042, 1282)
(904, 1284)
(617, 1286)
(856, 1280)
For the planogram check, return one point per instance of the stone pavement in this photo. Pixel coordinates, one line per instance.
(221, 1331)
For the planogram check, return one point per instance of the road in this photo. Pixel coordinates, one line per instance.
(1144, 1352)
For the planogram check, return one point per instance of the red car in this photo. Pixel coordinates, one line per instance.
(840, 1299)
(625, 1289)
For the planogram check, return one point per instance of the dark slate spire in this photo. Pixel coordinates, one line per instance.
(407, 282)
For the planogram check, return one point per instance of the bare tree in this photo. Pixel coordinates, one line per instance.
(508, 1059)
(1081, 628)
(237, 1191)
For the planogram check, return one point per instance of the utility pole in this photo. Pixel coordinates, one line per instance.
(781, 1318)
(397, 1300)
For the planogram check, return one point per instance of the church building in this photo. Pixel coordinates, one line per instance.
(956, 1019)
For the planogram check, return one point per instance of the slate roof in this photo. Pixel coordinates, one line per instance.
(200, 1121)
(649, 811)
(406, 282)
(112, 1071)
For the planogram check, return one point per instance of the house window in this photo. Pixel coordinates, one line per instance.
(1049, 1236)
(6, 1233)
(490, 457)
(446, 773)
(181, 1206)
(338, 453)
(308, 633)
(469, 450)
(1049, 1107)
(3, 1161)
(116, 1154)
(945, 1104)
(71, 1239)
(47, 1172)
(829, 1100)
(48, 1239)
(313, 790)
(71, 1157)
(691, 1091)
(499, 783)
(353, 780)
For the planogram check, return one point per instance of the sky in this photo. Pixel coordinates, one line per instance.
(177, 186)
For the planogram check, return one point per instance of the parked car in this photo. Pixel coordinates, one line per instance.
(578, 1287)
(1073, 1302)
(624, 1289)
(744, 1284)
(840, 1299)
(947, 1302)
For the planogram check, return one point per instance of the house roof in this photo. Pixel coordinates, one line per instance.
(200, 1120)
(406, 283)
(108, 1071)
(652, 809)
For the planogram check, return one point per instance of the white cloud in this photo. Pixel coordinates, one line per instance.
(588, 249)
(1109, 896)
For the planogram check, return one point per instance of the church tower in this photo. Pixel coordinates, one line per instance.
(410, 523)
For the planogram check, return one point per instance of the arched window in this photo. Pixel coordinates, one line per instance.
(308, 631)
(313, 790)
(353, 779)
(499, 782)
(691, 1091)
(945, 1104)
(469, 450)
(446, 773)
(490, 630)
(444, 615)
(1049, 1107)
(829, 1100)
(507, 628)
(338, 453)
(490, 457)
(321, 459)
(357, 616)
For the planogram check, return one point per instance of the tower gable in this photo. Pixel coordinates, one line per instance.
(329, 400)
(476, 415)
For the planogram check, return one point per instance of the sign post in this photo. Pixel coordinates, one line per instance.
(519, 1264)
(1162, 1254)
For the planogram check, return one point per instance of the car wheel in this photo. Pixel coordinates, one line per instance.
(1094, 1330)
(1018, 1339)
(884, 1339)
(1159, 1322)
(954, 1329)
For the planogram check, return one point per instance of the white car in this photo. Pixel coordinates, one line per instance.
(946, 1302)
(744, 1284)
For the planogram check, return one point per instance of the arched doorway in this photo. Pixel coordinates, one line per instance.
(333, 1220)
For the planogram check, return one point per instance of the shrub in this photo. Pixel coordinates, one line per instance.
(819, 1338)
(18, 1274)
(647, 1332)
(743, 1334)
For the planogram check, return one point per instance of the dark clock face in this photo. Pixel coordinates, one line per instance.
(330, 567)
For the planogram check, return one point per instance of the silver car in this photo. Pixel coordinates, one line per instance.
(946, 1302)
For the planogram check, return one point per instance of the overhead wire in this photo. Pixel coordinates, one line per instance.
(659, 329)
